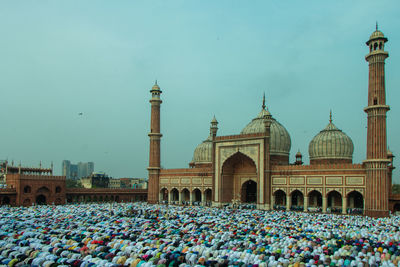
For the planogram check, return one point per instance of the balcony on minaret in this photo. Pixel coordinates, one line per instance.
(155, 91)
(376, 44)
(390, 156)
(376, 84)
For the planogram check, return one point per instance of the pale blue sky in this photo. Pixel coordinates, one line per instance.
(60, 58)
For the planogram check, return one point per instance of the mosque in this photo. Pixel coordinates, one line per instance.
(253, 167)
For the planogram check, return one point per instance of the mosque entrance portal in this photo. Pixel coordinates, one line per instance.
(235, 169)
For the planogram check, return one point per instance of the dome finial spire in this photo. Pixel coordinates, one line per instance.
(330, 116)
(263, 104)
(376, 26)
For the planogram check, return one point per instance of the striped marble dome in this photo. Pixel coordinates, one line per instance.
(280, 142)
(331, 143)
(202, 153)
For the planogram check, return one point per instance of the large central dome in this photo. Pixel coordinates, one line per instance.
(280, 140)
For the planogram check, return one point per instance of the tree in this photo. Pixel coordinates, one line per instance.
(396, 189)
(71, 183)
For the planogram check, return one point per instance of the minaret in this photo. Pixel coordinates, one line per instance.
(155, 139)
(376, 164)
(214, 127)
(266, 202)
(213, 132)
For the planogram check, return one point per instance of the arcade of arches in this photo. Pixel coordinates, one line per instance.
(41, 196)
(98, 195)
(185, 196)
(315, 201)
(87, 198)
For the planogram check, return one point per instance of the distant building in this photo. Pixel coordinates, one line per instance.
(96, 180)
(25, 186)
(77, 171)
(3, 165)
(139, 183)
(74, 172)
(85, 169)
(114, 183)
(132, 183)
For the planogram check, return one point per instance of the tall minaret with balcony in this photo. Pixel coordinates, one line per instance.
(266, 201)
(155, 140)
(376, 164)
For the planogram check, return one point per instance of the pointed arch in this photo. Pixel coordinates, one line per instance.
(238, 154)
(234, 169)
(249, 192)
(297, 200)
(315, 199)
(43, 190)
(208, 196)
(355, 202)
(185, 196)
(196, 195)
(334, 199)
(279, 199)
(174, 195)
(164, 194)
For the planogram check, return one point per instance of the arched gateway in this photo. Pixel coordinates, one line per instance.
(236, 169)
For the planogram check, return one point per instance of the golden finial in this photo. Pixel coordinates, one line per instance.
(330, 116)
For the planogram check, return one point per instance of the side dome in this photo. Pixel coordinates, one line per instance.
(202, 153)
(202, 156)
(331, 145)
(280, 142)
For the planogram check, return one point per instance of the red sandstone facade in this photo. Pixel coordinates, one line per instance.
(35, 186)
(253, 167)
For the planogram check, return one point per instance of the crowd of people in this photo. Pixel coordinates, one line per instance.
(139, 234)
